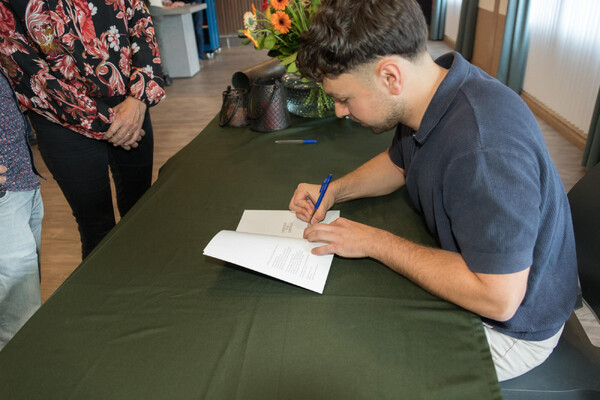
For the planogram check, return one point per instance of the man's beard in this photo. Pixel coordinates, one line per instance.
(395, 115)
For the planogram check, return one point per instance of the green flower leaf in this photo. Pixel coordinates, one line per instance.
(269, 41)
(289, 59)
(261, 42)
(291, 68)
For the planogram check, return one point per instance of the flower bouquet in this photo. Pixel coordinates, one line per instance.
(277, 28)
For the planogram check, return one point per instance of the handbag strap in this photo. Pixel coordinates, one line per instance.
(237, 105)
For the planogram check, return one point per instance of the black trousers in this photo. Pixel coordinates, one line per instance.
(80, 167)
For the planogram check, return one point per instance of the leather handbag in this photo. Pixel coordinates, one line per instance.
(234, 110)
(267, 107)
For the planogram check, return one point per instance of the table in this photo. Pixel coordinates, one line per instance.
(180, 53)
(148, 316)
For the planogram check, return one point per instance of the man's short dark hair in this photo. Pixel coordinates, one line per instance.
(348, 33)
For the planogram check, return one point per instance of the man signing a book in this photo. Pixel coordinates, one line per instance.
(474, 162)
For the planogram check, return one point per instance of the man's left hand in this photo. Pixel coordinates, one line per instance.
(342, 237)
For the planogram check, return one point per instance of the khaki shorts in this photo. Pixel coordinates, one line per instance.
(514, 357)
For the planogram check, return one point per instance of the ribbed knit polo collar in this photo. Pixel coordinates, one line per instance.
(444, 96)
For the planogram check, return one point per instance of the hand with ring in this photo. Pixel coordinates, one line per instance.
(138, 137)
(126, 130)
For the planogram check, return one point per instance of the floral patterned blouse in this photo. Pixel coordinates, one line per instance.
(64, 57)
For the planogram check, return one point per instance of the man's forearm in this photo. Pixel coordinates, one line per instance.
(377, 177)
(446, 275)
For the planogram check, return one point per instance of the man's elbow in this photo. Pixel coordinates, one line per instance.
(506, 308)
(504, 313)
(505, 294)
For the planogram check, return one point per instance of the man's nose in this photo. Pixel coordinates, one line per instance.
(340, 110)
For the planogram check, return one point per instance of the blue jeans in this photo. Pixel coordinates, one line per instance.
(20, 235)
(198, 18)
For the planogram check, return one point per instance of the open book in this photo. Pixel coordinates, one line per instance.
(270, 242)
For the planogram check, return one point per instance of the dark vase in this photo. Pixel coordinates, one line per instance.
(307, 99)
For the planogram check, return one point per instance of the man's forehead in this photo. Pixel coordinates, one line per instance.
(338, 85)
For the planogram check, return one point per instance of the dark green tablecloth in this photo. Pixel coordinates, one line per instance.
(148, 316)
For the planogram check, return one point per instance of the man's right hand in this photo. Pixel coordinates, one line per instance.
(2, 172)
(304, 199)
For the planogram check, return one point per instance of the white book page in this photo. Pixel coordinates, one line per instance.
(287, 259)
(277, 222)
(270, 242)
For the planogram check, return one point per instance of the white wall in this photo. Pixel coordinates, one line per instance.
(452, 19)
(563, 65)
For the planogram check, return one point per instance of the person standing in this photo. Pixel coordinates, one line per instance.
(21, 212)
(88, 72)
(198, 18)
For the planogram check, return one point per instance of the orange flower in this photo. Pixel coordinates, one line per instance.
(253, 9)
(279, 4)
(249, 36)
(281, 22)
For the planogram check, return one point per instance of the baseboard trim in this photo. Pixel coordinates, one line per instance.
(450, 42)
(570, 132)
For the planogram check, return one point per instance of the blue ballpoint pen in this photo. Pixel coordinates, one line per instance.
(322, 191)
(296, 141)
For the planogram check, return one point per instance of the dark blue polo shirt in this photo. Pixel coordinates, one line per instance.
(479, 171)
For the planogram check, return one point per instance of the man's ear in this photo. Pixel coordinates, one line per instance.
(389, 74)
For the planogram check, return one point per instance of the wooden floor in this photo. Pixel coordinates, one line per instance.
(189, 106)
